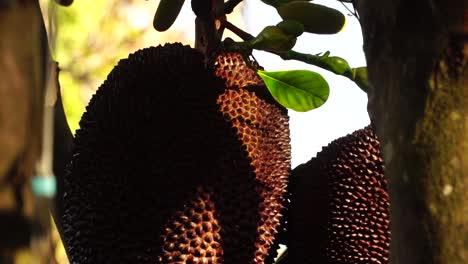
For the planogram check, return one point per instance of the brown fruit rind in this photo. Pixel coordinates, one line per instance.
(159, 176)
(263, 128)
(153, 156)
(340, 204)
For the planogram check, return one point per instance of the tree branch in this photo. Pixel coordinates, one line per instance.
(334, 64)
(230, 5)
(328, 63)
(239, 32)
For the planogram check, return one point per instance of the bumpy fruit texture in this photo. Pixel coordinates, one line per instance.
(232, 68)
(155, 176)
(340, 204)
(161, 175)
(316, 19)
(263, 127)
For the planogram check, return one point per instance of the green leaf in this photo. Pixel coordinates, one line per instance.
(299, 90)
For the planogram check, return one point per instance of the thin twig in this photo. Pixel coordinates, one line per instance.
(354, 13)
(347, 8)
(318, 61)
(307, 58)
(230, 5)
(239, 32)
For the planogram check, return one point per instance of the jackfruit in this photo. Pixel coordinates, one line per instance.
(340, 204)
(162, 174)
(263, 127)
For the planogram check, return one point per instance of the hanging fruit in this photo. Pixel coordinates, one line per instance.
(177, 163)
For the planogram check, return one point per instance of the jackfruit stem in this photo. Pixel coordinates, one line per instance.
(239, 32)
(230, 5)
(208, 25)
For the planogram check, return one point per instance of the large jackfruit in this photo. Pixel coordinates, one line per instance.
(171, 165)
(340, 204)
(263, 127)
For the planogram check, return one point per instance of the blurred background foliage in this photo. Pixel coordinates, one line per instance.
(88, 39)
(91, 36)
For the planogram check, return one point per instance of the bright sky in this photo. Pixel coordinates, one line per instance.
(346, 109)
(344, 112)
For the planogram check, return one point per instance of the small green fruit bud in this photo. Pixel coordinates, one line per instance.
(291, 27)
(273, 38)
(316, 19)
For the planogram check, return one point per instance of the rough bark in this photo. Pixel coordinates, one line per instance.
(417, 63)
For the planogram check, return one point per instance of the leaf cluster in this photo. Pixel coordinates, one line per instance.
(300, 90)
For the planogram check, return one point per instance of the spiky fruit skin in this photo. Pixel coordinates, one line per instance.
(263, 128)
(159, 175)
(155, 172)
(340, 204)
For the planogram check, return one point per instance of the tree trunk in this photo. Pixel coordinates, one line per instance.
(24, 217)
(417, 55)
